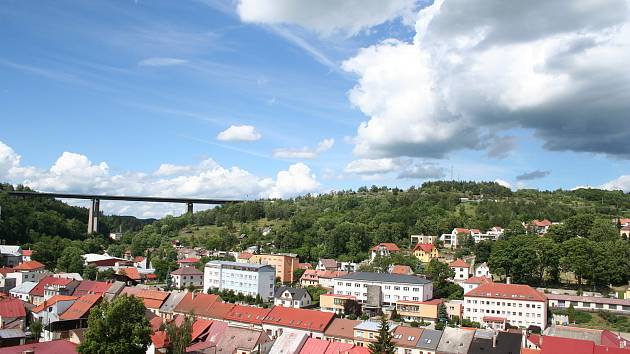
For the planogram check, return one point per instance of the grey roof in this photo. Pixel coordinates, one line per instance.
(11, 250)
(429, 339)
(172, 301)
(385, 278)
(11, 333)
(24, 288)
(455, 340)
(114, 290)
(374, 326)
(254, 266)
(296, 293)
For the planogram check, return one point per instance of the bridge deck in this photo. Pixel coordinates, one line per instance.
(125, 198)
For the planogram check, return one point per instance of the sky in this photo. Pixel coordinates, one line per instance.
(248, 99)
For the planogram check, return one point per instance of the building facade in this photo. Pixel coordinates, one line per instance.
(394, 287)
(245, 278)
(185, 277)
(283, 263)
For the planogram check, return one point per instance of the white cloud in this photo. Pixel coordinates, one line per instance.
(305, 152)
(161, 61)
(478, 67)
(297, 180)
(239, 133)
(503, 183)
(325, 17)
(75, 173)
(620, 183)
(372, 166)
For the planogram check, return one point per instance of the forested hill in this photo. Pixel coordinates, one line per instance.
(27, 220)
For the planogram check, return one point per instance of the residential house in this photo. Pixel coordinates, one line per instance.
(102, 261)
(418, 311)
(50, 311)
(341, 330)
(28, 271)
(244, 257)
(367, 332)
(289, 342)
(415, 239)
(292, 297)
(50, 286)
(312, 323)
(323, 278)
(114, 290)
(429, 341)
(455, 340)
(320, 346)
(243, 341)
(6, 283)
(285, 264)
(199, 304)
(185, 277)
(452, 239)
(152, 299)
(494, 305)
(406, 339)
(400, 269)
(589, 303)
(12, 313)
(10, 256)
(188, 262)
(482, 270)
(425, 252)
(244, 278)
(383, 250)
(539, 227)
(624, 232)
(168, 307)
(23, 292)
(52, 347)
(334, 302)
(473, 282)
(454, 308)
(327, 264)
(391, 287)
(247, 316)
(490, 342)
(461, 269)
(86, 287)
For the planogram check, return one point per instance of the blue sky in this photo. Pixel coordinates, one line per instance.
(131, 97)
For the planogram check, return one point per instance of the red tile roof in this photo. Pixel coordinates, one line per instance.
(91, 287)
(478, 280)
(541, 223)
(159, 339)
(339, 348)
(426, 247)
(299, 318)
(458, 263)
(53, 300)
(30, 265)
(392, 247)
(52, 347)
(27, 253)
(401, 269)
(314, 346)
(312, 274)
(38, 290)
(152, 299)
(219, 310)
(6, 270)
(406, 337)
(341, 328)
(199, 327)
(247, 314)
(12, 308)
(156, 323)
(81, 308)
(131, 273)
(186, 270)
(556, 345)
(611, 339)
(507, 291)
(199, 305)
(189, 260)
(245, 255)
(461, 230)
(601, 349)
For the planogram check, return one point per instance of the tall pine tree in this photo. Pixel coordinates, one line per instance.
(383, 344)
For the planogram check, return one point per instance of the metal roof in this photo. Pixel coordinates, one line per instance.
(385, 278)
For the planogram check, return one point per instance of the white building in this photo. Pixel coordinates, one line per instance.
(10, 255)
(23, 291)
(245, 278)
(393, 287)
(384, 249)
(482, 270)
(185, 277)
(494, 305)
(473, 282)
(461, 269)
(416, 239)
(451, 239)
(292, 297)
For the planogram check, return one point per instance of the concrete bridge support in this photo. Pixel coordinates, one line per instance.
(190, 208)
(93, 214)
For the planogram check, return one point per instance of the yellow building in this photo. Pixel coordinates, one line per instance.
(417, 311)
(627, 294)
(425, 252)
(334, 302)
(285, 264)
(367, 331)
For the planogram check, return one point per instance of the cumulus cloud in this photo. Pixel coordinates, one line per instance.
(325, 17)
(621, 183)
(422, 171)
(239, 133)
(532, 175)
(305, 152)
(161, 61)
(478, 67)
(501, 146)
(73, 172)
(371, 166)
(405, 168)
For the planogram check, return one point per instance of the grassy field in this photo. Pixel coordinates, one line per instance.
(603, 320)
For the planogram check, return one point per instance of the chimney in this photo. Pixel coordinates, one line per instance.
(508, 280)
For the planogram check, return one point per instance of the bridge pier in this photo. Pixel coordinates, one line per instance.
(93, 216)
(190, 208)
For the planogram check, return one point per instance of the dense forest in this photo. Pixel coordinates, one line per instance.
(345, 224)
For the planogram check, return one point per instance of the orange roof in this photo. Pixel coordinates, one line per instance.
(247, 314)
(189, 260)
(199, 327)
(406, 337)
(81, 308)
(461, 230)
(542, 223)
(53, 300)
(314, 346)
(6, 270)
(341, 328)
(299, 318)
(245, 255)
(478, 280)
(401, 269)
(199, 305)
(392, 247)
(507, 291)
(27, 253)
(458, 263)
(38, 290)
(159, 339)
(156, 323)
(12, 308)
(30, 265)
(529, 351)
(312, 274)
(219, 310)
(426, 247)
(152, 299)
(91, 287)
(152, 303)
(131, 272)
